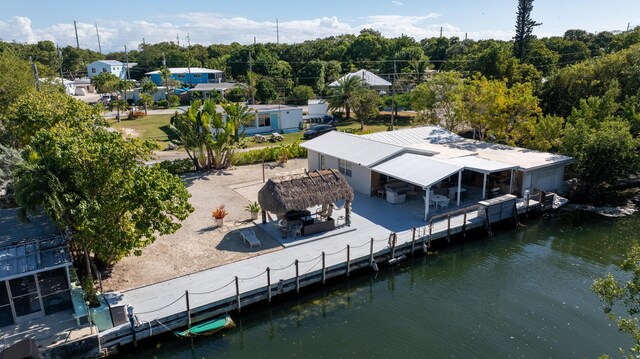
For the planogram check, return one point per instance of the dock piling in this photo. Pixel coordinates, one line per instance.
(238, 294)
(269, 283)
(348, 259)
(186, 295)
(297, 277)
(324, 269)
(430, 232)
(413, 240)
(449, 228)
(464, 225)
(371, 253)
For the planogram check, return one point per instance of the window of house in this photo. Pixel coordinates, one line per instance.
(93, 70)
(180, 76)
(197, 76)
(344, 167)
(264, 120)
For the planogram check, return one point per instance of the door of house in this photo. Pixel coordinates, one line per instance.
(274, 121)
(25, 298)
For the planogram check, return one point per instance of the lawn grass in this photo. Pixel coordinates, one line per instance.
(156, 128)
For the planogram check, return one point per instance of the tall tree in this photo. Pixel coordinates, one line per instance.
(340, 96)
(148, 89)
(94, 184)
(365, 105)
(524, 29)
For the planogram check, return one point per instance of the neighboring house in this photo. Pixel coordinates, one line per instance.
(273, 118)
(188, 75)
(83, 86)
(35, 266)
(69, 86)
(112, 66)
(205, 89)
(434, 160)
(370, 79)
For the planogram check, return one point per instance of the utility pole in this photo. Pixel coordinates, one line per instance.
(126, 60)
(98, 35)
(34, 68)
(60, 60)
(77, 40)
(251, 74)
(189, 60)
(628, 26)
(393, 94)
(178, 39)
(277, 32)
(166, 81)
(440, 31)
(465, 36)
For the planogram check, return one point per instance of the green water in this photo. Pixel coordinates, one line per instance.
(524, 293)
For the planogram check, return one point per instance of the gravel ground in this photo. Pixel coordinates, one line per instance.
(199, 244)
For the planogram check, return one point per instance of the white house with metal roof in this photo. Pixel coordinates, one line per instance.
(370, 79)
(435, 164)
(112, 66)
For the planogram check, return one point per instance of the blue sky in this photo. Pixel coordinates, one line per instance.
(126, 22)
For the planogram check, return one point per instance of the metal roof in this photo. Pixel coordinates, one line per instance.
(482, 165)
(108, 62)
(186, 70)
(416, 169)
(416, 135)
(29, 247)
(352, 148)
(367, 77)
(214, 86)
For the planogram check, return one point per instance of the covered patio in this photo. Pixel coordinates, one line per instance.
(443, 185)
(304, 204)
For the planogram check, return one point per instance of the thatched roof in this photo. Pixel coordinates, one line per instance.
(298, 192)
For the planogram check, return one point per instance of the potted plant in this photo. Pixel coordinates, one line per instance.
(218, 215)
(253, 208)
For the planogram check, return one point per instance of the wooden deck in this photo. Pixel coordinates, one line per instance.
(163, 306)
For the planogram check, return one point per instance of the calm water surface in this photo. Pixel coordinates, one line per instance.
(524, 293)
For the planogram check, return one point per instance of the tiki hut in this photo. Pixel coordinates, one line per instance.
(302, 191)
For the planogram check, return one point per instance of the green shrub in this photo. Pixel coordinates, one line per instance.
(178, 166)
(279, 154)
(162, 104)
(174, 100)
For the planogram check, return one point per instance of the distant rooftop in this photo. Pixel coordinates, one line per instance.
(367, 77)
(109, 62)
(186, 70)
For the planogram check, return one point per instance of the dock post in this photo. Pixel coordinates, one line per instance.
(186, 295)
(413, 240)
(269, 283)
(393, 245)
(348, 259)
(324, 269)
(464, 225)
(488, 222)
(430, 232)
(297, 278)
(238, 294)
(526, 213)
(371, 252)
(449, 228)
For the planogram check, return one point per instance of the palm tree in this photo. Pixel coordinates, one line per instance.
(340, 96)
(166, 75)
(148, 89)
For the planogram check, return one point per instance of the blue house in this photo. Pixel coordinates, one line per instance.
(189, 75)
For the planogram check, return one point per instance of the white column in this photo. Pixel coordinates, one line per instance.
(459, 187)
(484, 186)
(426, 202)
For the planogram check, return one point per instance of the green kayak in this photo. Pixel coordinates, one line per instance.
(209, 327)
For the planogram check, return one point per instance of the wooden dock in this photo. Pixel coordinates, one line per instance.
(176, 303)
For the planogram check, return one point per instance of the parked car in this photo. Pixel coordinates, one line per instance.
(317, 131)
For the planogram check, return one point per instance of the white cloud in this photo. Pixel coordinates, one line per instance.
(397, 3)
(208, 28)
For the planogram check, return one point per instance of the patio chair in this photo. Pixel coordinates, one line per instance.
(296, 229)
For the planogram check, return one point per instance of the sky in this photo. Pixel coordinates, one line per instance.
(123, 23)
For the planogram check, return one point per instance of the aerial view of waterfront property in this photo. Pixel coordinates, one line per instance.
(452, 179)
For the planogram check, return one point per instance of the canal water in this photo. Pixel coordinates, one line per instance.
(524, 293)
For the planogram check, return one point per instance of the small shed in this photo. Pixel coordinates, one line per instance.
(302, 191)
